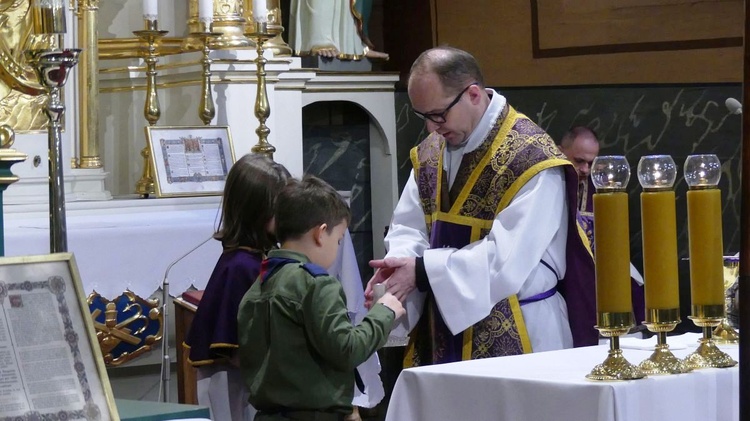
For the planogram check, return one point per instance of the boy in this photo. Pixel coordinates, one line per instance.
(298, 349)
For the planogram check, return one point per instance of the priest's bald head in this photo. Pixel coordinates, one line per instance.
(446, 89)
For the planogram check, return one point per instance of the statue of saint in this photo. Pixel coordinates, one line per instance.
(331, 28)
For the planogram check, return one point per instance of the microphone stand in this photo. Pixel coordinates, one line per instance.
(165, 361)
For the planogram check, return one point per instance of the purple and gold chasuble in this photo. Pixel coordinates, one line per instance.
(586, 207)
(514, 151)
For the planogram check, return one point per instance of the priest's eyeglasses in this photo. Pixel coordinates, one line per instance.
(439, 118)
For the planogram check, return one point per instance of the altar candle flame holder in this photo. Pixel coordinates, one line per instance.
(657, 174)
(610, 175)
(702, 174)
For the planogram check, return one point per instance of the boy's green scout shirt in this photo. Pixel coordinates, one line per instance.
(298, 348)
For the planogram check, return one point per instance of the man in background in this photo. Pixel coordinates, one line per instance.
(581, 146)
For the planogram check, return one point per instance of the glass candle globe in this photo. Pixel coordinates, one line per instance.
(610, 173)
(657, 172)
(702, 170)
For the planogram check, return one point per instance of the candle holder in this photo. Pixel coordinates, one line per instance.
(207, 111)
(702, 174)
(52, 68)
(657, 174)
(615, 366)
(145, 186)
(262, 108)
(610, 175)
(662, 361)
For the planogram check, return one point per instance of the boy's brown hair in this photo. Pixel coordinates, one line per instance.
(305, 204)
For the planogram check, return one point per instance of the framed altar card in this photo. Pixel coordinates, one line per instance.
(190, 160)
(51, 364)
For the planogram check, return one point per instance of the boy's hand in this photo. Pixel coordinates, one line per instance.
(390, 301)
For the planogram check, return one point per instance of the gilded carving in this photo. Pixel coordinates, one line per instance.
(21, 105)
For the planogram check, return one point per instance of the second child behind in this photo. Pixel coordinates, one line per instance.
(298, 348)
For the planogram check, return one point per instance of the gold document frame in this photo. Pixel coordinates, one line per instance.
(175, 148)
(57, 372)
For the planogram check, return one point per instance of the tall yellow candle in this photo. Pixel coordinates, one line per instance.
(612, 252)
(706, 247)
(658, 222)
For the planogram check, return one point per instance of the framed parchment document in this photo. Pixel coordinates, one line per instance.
(190, 160)
(50, 362)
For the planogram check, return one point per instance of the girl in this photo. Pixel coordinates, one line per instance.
(246, 234)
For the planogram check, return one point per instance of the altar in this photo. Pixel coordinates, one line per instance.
(552, 386)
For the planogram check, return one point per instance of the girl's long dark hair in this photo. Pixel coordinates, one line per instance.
(248, 202)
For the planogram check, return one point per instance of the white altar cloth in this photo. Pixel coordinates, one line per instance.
(552, 386)
(128, 244)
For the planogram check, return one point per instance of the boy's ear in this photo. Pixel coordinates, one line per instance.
(318, 233)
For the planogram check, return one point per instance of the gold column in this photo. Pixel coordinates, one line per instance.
(88, 85)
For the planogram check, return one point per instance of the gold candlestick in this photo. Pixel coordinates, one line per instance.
(262, 108)
(702, 174)
(145, 186)
(610, 175)
(207, 111)
(656, 175)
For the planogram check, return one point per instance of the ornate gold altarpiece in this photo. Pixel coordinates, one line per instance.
(103, 129)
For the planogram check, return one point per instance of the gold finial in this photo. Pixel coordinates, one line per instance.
(7, 136)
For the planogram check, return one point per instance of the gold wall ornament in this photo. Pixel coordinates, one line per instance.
(145, 186)
(262, 107)
(126, 327)
(228, 21)
(88, 85)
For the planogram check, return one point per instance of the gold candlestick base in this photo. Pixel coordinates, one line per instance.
(708, 355)
(615, 366)
(725, 333)
(662, 361)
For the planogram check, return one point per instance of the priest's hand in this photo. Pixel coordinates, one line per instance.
(399, 275)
